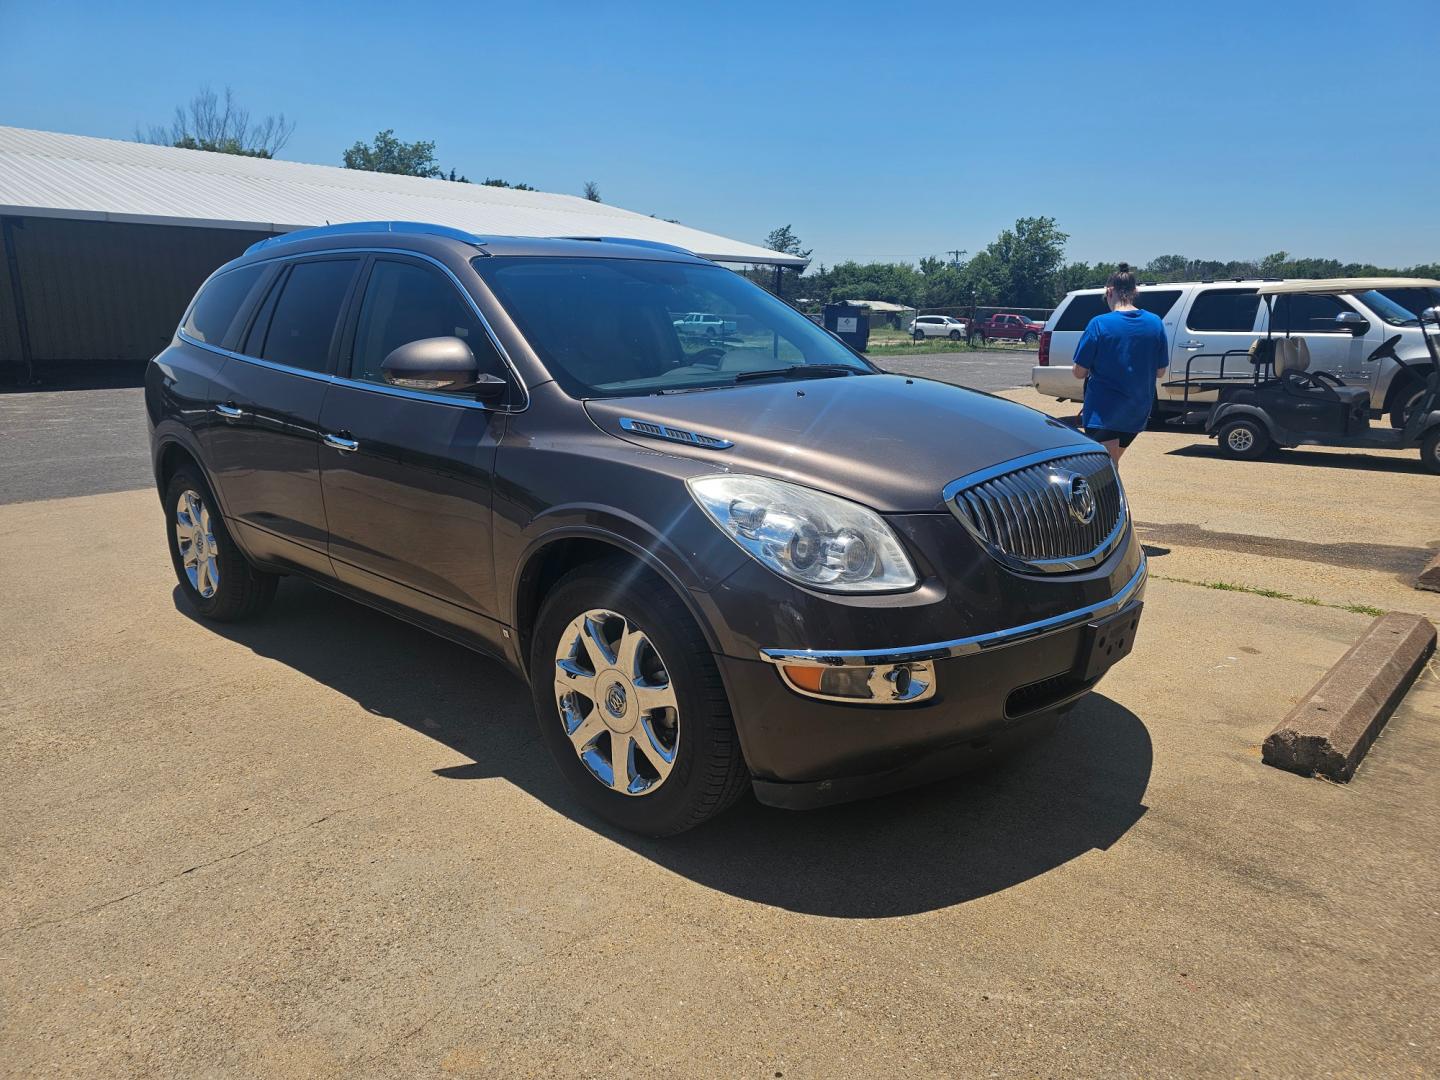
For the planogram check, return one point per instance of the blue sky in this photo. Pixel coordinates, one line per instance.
(1220, 130)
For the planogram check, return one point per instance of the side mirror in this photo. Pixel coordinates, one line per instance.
(1431, 315)
(440, 363)
(1352, 321)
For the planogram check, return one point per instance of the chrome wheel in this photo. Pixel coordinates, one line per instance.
(616, 703)
(1240, 439)
(197, 543)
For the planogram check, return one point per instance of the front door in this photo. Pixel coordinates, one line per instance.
(1311, 317)
(264, 448)
(1217, 322)
(408, 475)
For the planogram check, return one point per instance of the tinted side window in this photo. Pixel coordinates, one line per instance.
(1157, 301)
(1224, 309)
(1300, 312)
(306, 312)
(219, 302)
(1080, 311)
(406, 302)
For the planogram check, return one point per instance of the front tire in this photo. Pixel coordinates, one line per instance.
(1406, 398)
(954, 335)
(630, 702)
(1430, 450)
(1244, 440)
(215, 577)
(1030, 337)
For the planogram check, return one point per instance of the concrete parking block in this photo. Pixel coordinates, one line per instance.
(1329, 731)
(1429, 578)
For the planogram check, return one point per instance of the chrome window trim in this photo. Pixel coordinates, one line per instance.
(942, 650)
(1084, 561)
(345, 380)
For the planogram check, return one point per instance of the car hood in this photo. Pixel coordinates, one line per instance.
(887, 441)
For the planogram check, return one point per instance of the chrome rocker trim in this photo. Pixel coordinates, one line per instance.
(942, 650)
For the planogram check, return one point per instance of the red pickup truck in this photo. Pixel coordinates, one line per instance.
(1005, 327)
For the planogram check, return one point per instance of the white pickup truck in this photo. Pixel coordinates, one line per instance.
(1205, 318)
(701, 324)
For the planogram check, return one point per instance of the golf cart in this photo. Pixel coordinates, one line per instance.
(1279, 401)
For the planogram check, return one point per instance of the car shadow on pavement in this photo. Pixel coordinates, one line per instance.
(1300, 456)
(917, 851)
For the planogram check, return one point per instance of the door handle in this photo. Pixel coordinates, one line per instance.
(229, 412)
(1192, 344)
(340, 442)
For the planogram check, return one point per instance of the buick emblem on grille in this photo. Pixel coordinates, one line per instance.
(1082, 499)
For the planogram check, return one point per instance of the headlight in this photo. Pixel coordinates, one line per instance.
(810, 537)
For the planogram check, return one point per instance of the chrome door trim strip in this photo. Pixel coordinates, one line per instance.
(941, 650)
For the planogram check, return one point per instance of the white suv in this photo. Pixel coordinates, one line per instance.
(1205, 318)
(928, 326)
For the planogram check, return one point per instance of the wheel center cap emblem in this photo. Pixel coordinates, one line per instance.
(616, 700)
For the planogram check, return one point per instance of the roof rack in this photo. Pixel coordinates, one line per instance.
(367, 227)
(656, 244)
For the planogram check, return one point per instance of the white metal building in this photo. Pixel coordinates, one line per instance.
(103, 242)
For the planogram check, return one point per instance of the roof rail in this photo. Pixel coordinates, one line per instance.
(367, 227)
(656, 244)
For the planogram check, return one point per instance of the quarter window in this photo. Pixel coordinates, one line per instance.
(302, 317)
(1224, 310)
(407, 302)
(212, 316)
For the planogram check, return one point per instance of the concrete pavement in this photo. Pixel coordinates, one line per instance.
(327, 844)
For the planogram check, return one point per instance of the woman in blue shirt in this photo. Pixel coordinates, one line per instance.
(1120, 356)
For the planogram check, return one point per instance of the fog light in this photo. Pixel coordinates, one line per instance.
(887, 684)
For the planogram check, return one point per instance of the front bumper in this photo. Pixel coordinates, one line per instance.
(988, 690)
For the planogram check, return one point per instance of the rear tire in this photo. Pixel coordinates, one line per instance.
(1244, 440)
(215, 577)
(586, 734)
(1430, 450)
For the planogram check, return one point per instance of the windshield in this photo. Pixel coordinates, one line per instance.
(1401, 307)
(1392, 312)
(614, 327)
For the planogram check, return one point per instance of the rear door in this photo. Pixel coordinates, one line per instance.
(1217, 322)
(408, 474)
(264, 450)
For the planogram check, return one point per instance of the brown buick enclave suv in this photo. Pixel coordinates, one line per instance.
(720, 560)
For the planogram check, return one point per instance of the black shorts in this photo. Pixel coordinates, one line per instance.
(1101, 434)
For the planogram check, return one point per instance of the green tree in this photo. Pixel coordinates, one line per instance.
(786, 242)
(222, 126)
(387, 154)
(494, 182)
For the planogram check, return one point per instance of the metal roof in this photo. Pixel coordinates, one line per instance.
(46, 174)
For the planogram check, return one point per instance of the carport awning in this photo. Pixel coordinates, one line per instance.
(45, 174)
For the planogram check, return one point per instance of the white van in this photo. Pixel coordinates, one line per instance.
(1204, 319)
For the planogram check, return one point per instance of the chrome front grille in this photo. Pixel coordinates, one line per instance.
(1047, 513)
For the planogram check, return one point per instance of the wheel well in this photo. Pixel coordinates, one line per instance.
(1417, 373)
(545, 568)
(171, 458)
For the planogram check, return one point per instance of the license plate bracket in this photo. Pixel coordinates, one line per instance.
(1107, 641)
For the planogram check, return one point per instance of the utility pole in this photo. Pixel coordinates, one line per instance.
(955, 254)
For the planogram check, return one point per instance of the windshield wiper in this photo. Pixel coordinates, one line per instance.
(797, 371)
